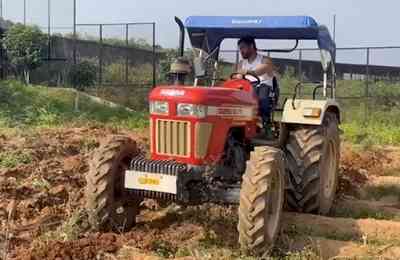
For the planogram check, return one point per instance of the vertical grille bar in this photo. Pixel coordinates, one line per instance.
(173, 138)
(182, 143)
(188, 139)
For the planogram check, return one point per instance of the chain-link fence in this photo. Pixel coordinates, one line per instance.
(125, 55)
(126, 58)
(368, 78)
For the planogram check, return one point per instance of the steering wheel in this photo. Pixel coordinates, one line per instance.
(245, 76)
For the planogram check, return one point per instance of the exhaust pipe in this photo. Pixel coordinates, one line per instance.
(181, 36)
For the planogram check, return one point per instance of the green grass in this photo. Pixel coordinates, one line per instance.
(371, 133)
(391, 172)
(70, 229)
(363, 213)
(307, 254)
(36, 106)
(295, 230)
(13, 159)
(163, 248)
(40, 183)
(378, 192)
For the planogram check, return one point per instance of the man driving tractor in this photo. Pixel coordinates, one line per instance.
(256, 64)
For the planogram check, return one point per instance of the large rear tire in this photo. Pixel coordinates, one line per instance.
(261, 200)
(109, 208)
(313, 155)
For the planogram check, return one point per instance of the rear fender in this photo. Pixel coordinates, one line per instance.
(308, 112)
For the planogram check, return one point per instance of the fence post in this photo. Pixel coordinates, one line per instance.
(367, 75)
(300, 70)
(127, 55)
(75, 36)
(48, 35)
(367, 94)
(2, 62)
(154, 56)
(101, 56)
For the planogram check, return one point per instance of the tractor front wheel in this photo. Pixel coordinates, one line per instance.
(108, 207)
(261, 200)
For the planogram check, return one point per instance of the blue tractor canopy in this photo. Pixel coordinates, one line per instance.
(207, 32)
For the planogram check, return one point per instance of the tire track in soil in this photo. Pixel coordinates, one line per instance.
(334, 249)
(343, 228)
(384, 181)
(355, 207)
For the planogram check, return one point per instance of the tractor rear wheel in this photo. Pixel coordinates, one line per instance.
(261, 200)
(313, 154)
(107, 204)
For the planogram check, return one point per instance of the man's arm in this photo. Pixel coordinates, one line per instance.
(267, 67)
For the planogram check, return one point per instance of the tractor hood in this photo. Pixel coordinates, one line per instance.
(204, 95)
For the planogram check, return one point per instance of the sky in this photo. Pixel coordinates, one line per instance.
(358, 22)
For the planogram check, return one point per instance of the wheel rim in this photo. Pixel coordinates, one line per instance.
(274, 202)
(329, 171)
(123, 165)
(122, 216)
(121, 205)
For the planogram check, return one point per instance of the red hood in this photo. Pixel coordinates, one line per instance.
(203, 95)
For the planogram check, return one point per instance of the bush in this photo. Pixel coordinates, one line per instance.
(83, 75)
(115, 73)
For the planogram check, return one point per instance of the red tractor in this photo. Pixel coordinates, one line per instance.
(206, 144)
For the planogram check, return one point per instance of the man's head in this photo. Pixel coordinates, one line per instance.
(247, 46)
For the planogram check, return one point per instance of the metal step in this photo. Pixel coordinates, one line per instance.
(258, 141)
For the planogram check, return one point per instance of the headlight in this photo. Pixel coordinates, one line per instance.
(312, 112)
(191, 110)
(159, 107)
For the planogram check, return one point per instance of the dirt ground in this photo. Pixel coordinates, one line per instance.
(42, 209)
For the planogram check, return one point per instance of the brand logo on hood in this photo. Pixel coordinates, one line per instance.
(172, 92)
(246, 21)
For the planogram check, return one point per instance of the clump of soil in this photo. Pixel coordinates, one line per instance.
(38, 194)
(358, 166)
(375, 161)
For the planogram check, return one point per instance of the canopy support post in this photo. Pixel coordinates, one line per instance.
(181, 36)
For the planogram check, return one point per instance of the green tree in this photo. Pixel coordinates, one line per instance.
(24, 46)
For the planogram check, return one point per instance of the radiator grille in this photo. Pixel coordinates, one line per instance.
(173, 138)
